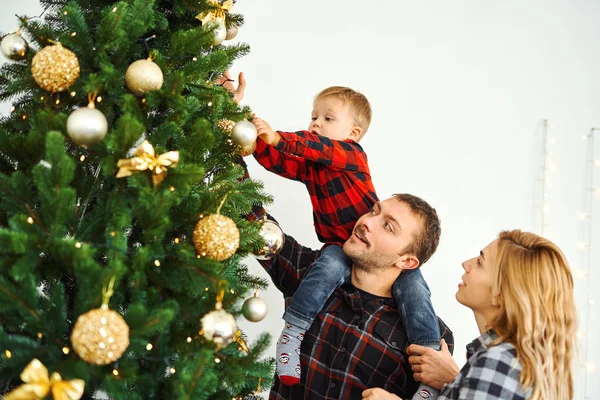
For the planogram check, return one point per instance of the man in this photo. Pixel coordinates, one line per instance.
(358, 341)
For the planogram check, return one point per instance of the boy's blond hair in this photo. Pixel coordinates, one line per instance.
(359, 106)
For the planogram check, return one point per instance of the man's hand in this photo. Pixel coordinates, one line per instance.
(265, 132)
(226, 81)
(433, 368)
(378, 394)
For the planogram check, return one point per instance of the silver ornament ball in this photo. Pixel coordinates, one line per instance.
(254, 309)
(14, 47)
(220, 327)
(244, 133)
(232, 32)
(87, 126)
(273, 237)
(218, 30)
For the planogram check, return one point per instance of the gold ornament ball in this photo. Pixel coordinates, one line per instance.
(273, 240)
(254, 309)
(100, 336)
(216, 237)
(55, 68)
(247, 150)
(143, 76)
(219, 326)
(226, 125)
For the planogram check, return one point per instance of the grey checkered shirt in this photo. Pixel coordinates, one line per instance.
(491, 372)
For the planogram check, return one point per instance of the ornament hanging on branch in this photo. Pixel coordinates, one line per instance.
(143, 76)
(255, 308)
(219, 326)
(273, 238)
(226, 125)
(216, 237)
(87, 126)
(232, 32)
(14, 47)
(37, 385)
(145, 159)
(101, 336)
(55, 68)
(213, 20)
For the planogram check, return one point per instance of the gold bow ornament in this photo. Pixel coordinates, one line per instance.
(37, 385)
(217, 11)
(145, 159)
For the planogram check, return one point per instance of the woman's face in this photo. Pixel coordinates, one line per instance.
(475, 290)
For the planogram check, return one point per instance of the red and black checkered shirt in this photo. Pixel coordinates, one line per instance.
(335, 173)
(356, 342)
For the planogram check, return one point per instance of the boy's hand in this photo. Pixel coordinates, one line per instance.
(265, 132)
(226, 81)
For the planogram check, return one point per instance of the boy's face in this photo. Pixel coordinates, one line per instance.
(332, 119)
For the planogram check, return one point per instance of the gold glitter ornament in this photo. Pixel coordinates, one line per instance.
(226, 125)
(101, 336)
(143, 76)
(55, 68)
(217, 237)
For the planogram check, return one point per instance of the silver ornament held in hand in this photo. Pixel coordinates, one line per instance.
(244, 133)
(273, 237)
(255, 308)
(14, 47)
(218, 30)
(220, 327)
(87, 126)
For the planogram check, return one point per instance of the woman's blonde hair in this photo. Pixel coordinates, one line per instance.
(533, 286)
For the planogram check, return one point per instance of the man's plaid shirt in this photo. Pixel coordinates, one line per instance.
(491, 372)
(335, 173)
(356, 342)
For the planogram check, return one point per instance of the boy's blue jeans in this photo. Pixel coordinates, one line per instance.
(332, 268)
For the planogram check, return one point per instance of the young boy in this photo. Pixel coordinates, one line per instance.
(329, 161)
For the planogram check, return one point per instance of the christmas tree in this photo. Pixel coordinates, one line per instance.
(121, 203)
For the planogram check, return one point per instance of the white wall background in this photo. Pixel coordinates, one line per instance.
(458, 90)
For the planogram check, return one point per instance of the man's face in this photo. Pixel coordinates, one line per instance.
(380, 236)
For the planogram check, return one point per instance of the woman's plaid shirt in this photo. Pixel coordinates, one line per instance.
(354, 343)
(491, 372)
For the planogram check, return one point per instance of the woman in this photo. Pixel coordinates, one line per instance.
(520, 289)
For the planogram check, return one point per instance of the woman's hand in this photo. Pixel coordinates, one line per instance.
(433, 368)
(379, 394)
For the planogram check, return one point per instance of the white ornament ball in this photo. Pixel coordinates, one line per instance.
(220, 327)
(218, 29)
(244, 133)
(87, 126)
(232, 32)
(143, 76)
(254, 309)
(14, 47)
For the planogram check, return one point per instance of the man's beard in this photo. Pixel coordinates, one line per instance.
(367, 261)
